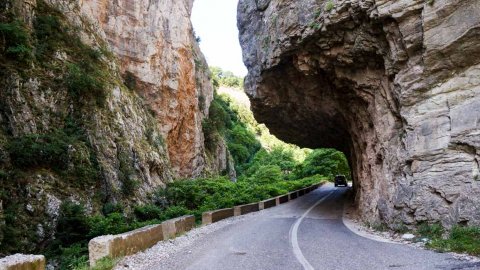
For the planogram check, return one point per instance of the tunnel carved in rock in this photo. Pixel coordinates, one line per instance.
(371, 78)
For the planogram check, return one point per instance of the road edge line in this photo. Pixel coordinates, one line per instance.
(355, 228)
(294, 234)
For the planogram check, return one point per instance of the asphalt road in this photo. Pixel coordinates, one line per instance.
(306, 233)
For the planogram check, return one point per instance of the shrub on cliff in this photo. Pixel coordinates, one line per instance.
(65, 151)
(72, 225)
(87, 84)
(15, 40)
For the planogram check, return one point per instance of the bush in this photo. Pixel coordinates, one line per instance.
(110, 208)
(114, 223)
(49, 31)
(148, 212)
(267, 174)
(15, 40)
(48, 149)
(225, 78)
(73, 225)
(329, 6)
(87, 84)
(74, 257)
(430, 231)
(64, 151)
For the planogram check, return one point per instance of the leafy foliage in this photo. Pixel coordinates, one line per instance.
(86, 82)
(225, 122)
(201, 195)
(225, 78)
(15, 40)
(328, 162)
(73, 225)
(329, 6)
(66, 151)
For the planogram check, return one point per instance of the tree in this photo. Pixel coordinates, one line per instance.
(327, 162)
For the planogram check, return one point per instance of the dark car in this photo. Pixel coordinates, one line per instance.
(341, 180)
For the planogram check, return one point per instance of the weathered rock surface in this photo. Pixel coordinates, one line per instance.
(147, 133)
(155, 44)
(23, 262)
(393, 84)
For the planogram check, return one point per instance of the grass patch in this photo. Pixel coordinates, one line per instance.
(329, 6)
(460, 239)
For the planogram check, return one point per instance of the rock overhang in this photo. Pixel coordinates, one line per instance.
(356, 79)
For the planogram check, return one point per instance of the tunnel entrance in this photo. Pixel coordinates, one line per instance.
(333, 89)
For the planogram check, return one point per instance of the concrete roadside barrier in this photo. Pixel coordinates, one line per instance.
(245, 209)
(23, 262)
(283, 199)
(173, 227)
(115, 246)
(267, 203)
(301, 192)
(216, 215)
(293, 195)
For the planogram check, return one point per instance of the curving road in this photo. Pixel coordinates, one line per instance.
(306, 233)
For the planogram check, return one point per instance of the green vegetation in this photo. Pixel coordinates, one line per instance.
(329, 6)
(52, 38)
(15, 41)
(225, 78)
(253, 147)
(327, 162)
(75, 228)
(224, 122)
(459, 239)
(65, 151)
(85, 82)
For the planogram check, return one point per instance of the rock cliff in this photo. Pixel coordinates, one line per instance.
(393, 84)
(101, 103)
(156, 47)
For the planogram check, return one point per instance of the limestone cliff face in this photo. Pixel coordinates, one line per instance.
(394, 84)
(155, 44)
(110, 99)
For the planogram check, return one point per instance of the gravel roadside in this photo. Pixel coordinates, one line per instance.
(354, 224)
(157, 254)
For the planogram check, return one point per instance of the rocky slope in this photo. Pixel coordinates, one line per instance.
(394, 84)
(100, 102)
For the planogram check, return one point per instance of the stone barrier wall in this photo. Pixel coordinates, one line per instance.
(283, 199)
(114, 246)
(23, 262)
(216, 215)
(267, 203)
(246, 208)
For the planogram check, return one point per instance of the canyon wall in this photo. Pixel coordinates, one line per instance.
(101, 103)
(393, 84)
(155, 44)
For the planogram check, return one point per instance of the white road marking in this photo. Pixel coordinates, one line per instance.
(294, 235)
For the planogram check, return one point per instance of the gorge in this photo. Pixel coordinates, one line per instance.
(104, 103)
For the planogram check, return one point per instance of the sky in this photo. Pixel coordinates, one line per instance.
(215, 22)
